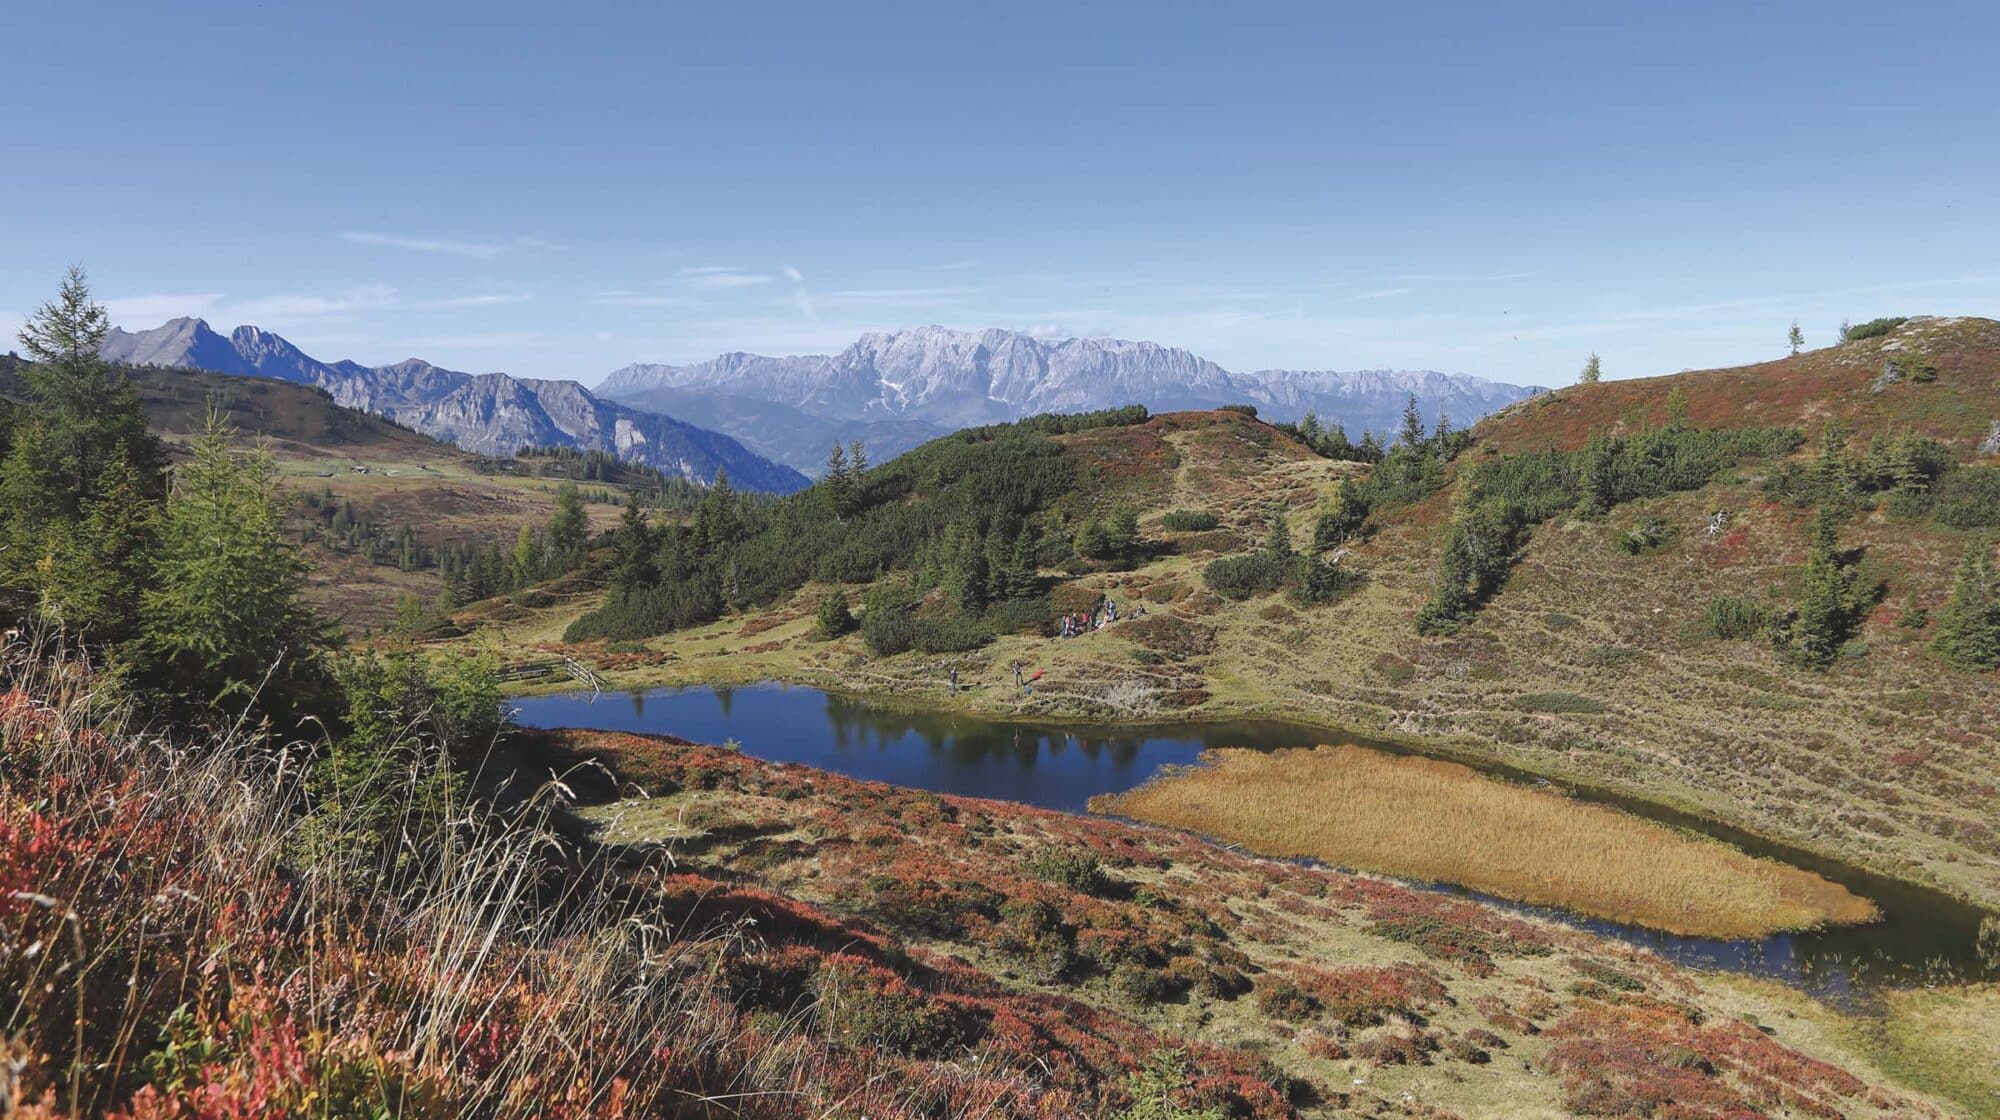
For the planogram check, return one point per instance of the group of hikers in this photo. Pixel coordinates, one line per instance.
(1072, 625)
(1079, 623)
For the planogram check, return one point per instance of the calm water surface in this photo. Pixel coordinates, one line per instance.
(1925, 935)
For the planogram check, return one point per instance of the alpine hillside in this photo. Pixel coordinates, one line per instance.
(491, 414)
(898, 388)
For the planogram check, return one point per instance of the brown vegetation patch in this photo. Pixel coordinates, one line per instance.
(1441, 821)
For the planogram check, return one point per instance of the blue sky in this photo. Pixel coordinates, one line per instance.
(557, 190)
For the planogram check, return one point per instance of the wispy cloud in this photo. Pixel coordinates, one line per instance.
(150, 310)
(1463, 277)
(482, 249)
(626, 298)
(491, 340)
(721, 277)
(871, 299)
(283, 308)
(1381, 293)
(954, 266)
(472, 301)
(801, 295)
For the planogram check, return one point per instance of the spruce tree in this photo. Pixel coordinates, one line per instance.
(1831, 597)
(1969, 626)
(569, 527)
(225, 626)
(839, 484)
(1122, 534)
(84, 413)
(79, 442)
(1796, 338)
(1410, 436)
(1342, 517)
(1598, 492)
(1278, 538)
(634, 547)
(103, 566)
(834, 617)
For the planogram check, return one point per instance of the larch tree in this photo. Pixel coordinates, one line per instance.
(1796, 339)
(1592, 372)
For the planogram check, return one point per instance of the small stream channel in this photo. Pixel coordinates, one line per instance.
(1925, 935)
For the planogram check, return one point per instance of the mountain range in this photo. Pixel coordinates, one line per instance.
(897, 389)
(490, 413)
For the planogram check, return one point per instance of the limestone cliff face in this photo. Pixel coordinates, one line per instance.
(935, 380)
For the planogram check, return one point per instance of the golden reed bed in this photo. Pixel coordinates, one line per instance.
(1443, 822)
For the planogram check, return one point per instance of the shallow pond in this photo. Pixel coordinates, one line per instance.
(1925, 935)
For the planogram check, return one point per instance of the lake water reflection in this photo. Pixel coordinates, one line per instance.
(1925, 934)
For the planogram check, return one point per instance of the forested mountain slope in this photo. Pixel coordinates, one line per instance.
(1724, 590)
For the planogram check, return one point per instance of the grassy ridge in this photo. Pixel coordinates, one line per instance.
(1441, 821)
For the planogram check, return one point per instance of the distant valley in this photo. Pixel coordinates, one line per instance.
(897, 389)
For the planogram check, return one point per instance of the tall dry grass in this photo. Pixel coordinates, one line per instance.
(172, 943)
(1443, 822)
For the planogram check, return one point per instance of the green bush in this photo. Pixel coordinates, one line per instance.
(1644, 536)
(1968, 498)
(1873, 328)
(1189, 521)
(1021, 616)
(833, 617)
(642, 612)
(1609, 471)
(1560, 703)
(1240, 577)
(1076, 868)
(1315, 583)
(1479, 551)
(1733, 619)
(1249, 410)
(949, 633)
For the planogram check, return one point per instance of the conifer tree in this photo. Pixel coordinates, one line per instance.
(857, 462)
(1410, 436)
(1342, 517)
(1595, 482)
(634, 546)
(1592, 372)
(1122, 534)
(1796, 338)
(103, 566)
(716, 523)
(1831, 597)
(834, 617)
(527, 567)
(1968, 634)
(1278, 538)
(569, 526)
(1092, 541)
(83, 414)
(839, 484)
(77, 452)
(225, 625)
